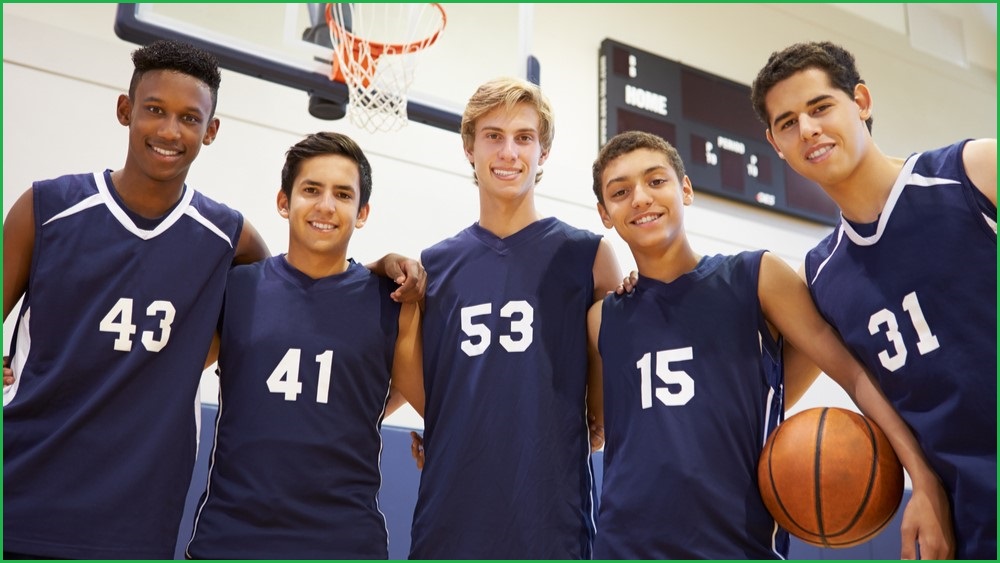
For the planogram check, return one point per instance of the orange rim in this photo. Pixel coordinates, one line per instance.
(378, 48)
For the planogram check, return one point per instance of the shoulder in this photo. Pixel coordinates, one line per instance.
(980, 160)
(573, 233)
(207, 205)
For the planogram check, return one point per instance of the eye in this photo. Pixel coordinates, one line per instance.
(492, 136)
(657, 181)
(786, 124)
(345, 195)
(617, 193)
(154, 109)
(821, 108)
(194, 119)
(525, 138)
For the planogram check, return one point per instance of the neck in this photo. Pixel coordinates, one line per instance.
(506, 217)
(666, 265)
(862, 196)
(144, 196)
(317, 266)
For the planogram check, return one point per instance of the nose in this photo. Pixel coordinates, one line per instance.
(508, 150)
(641, 196)
(327, 202)
(809, 127)
(170, 128)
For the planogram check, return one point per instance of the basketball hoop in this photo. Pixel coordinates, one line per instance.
(377, 48)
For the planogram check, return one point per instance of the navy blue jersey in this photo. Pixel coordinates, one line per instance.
(914, 297)
(692, 388)
(304, 374)
(100, 430)
(507, 473)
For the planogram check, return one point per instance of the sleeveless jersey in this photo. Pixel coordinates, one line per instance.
(507, 473)
(914, 297)
(304, 375)
(100, 427)
(692, 388)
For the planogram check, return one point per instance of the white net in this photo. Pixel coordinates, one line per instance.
(377, 48)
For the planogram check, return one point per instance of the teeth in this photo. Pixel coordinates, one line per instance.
(646, 219)
(323, 226)
(505, 173)
(165, 152)
(819, 153)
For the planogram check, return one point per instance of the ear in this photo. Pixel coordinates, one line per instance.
(211, 132)
(863, 97)
(687, 191)
(123, 110)
(770, 139)
(362, 216)
(282, 204)
(543, 157)
(605, 218)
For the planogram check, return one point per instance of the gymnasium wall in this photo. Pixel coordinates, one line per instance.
(63, 68)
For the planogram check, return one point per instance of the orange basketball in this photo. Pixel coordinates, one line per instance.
(830, 477)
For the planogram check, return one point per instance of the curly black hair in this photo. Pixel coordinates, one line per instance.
(180, 57)
(837, 62)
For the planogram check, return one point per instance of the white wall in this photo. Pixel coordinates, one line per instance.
(63, 68)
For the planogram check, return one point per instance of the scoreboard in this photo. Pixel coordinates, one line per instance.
(711, 123)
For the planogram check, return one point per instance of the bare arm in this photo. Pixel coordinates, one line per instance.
(251, 246)
(595, 378)
(800, 370)
(408, 362)
(607, 272)
(787, 304)
(18, 248)
(980, 158)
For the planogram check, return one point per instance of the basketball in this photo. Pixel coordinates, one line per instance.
(830, 477)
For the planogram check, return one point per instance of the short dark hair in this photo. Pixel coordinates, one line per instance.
(320, 144)
(624, 143)
(179, 57)
(837, 62)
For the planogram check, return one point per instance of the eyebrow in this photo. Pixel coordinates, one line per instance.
(500, 129)
(315, 183)
(811, 102)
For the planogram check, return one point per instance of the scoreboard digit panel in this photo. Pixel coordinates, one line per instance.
(711, 122)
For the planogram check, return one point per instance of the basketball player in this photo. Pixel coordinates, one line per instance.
(507, 471)
(908, 278)
(295, 469)
(122, 274)
(692, 379)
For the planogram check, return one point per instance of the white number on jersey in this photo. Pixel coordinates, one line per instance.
(677, 378)
(284, 378)
(926, 341)
(522, 315)
(118, 320)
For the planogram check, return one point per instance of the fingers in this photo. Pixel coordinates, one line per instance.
(417, 449)
(412, 280)
(628, 284)
(8, 374)
(596, 434)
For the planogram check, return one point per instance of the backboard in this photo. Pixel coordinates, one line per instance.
(289, 44)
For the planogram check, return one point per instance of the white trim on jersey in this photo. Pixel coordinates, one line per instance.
(197, 216)
(905, 175)
(91, 201)
(22, 347)
(126, 221)
(992, 224)
(840, 239)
